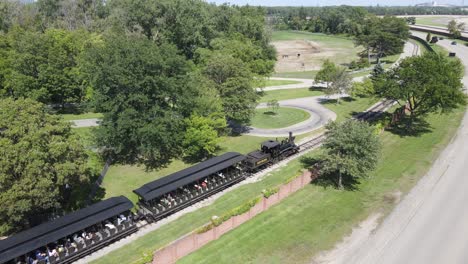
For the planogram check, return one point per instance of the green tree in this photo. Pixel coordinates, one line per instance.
(427, 83)
(383, 36)
(363, 89)
(327, 73)
(428, 37)
(42, 164)
(145, 92)
(233, 80)
(455, 28)
(341, 84)
(202, 136)
(43, 66)
(274, 105)
(377, 72)
(351, 150)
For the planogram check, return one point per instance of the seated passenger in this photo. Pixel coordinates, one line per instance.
(121, 219)
(52, 252)
(41, 256)
(61, 249)
(109, 225)
(89, 236)
(203, 184)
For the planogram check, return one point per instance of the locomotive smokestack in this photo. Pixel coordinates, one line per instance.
(290, 136)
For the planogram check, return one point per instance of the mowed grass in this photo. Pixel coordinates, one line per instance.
(281, 117)
(436, 21)
(69, 117)
(285, 94)
(347, 107)
(315, 218)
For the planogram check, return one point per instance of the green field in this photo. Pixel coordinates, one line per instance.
(286, 94)
(282, 117)
(316, 218)
(437, 21)
(331, 41)
(69, 117)
(349, 106)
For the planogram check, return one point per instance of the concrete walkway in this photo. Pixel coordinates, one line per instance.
(91, 122)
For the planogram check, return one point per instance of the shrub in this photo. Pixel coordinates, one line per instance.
(270, 191)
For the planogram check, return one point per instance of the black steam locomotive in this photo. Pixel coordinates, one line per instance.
(270, 152)
(82, 232)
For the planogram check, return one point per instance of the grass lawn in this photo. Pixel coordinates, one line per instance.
(315, 218)
(286, 94)
(69, 117)
(436, 21)
(331, 41)
(278, 82)
(349, 106)
(283, 117)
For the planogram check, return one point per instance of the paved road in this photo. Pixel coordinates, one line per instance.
(431, 224)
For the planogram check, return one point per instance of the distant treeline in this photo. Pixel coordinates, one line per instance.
(376, 10)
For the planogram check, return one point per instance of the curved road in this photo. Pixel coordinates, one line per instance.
(319, 116)
(431, 224)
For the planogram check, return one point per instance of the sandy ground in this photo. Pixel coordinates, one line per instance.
(301, 55)
(431, 222)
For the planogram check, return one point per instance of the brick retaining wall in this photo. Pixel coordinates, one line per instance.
(193, 241)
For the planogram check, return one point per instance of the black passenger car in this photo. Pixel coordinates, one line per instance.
(46, 237)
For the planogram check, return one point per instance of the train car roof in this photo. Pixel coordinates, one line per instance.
(41, 235)
(178, 179)
(270, 143)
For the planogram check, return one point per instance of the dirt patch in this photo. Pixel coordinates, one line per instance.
(300, 55)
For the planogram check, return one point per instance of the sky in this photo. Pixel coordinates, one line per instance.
(333, 2)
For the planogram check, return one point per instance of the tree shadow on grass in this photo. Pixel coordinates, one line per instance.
(410, 127)
(328, 180)
(270, 113)
(329, 101)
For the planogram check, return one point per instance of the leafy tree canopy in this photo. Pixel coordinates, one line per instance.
(43, 67)
(141, 89)
(427, 83)
(202, 136)
(351, 150)
(41, 164)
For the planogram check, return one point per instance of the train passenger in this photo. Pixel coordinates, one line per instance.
(121, 219)
(41, 256)
(203, 184)
(53, 252)
(109, 225)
